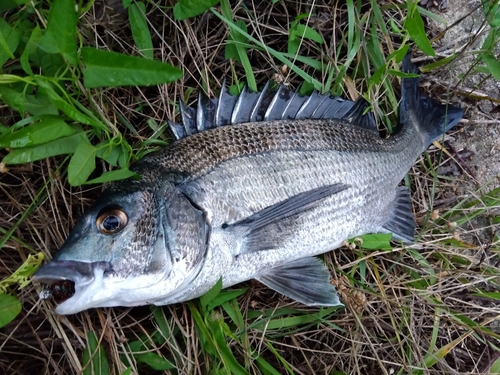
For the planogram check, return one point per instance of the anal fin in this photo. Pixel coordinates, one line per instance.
(401, 222)
(305, 280)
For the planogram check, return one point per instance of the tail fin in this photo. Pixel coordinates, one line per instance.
(433, 118)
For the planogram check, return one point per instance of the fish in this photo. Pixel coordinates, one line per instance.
(254, 186)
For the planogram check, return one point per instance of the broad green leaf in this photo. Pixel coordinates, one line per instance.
(140, 30)
(113, 69)
(415, 27)
(127, 371)
(109, 150)
(10, 307)
(94, 357)
(44, 131)
(61, 30)
(492, 12)
(375, 241)
(306, 32)
(495, 367)
(68, 109)
(11, 4)
(9, 40)
(298, 32)
(51, 64)
(119, 174)
(154, 361)
(34, 104)
(211, 294)
(82, 163)
(190, 8)
(492, 64)
(66, 145)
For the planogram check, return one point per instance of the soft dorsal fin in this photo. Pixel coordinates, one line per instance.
(267, 105)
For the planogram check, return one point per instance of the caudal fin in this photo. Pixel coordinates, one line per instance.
(433, 118)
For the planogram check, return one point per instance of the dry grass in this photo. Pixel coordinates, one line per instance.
(402, 306)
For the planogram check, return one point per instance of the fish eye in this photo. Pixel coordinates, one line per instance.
(111, 220)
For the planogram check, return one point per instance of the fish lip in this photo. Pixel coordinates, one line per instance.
(81, 273)
(84, 279)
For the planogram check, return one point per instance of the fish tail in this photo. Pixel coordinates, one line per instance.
(432, 118)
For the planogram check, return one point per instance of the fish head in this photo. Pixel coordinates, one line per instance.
(133, 238)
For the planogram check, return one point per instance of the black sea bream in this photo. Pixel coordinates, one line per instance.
(253, 187)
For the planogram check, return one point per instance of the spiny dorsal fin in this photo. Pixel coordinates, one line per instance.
(267, 105)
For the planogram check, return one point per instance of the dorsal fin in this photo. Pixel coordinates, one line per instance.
(268, 105)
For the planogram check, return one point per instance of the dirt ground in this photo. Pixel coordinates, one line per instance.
(479, 137)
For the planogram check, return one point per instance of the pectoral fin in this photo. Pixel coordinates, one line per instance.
(268, 228)
(305, 280)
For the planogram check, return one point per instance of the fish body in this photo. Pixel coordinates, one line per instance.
(253, 187)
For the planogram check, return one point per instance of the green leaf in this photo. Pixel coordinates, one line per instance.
(68, 109)
(190, 8)
(94, 357)
(37, 104)
(66, 145)
(495, 367)
(306, 32)
(375, 241)
(223, 297)
(119, 174)
(415, 27)
(111, 69)
(10, 307)
(110, 150)
(154, 361)
(492, 64)
(140, 30)
(11, 4)
(9, 40)
(44, 131)
(492, 11)
(128, 371)
(211, 294)
(82, 163)
(61, 30)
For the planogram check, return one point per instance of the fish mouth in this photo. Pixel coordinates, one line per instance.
(67, 280)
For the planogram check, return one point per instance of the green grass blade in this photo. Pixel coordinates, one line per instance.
(112, 69)
(273, 52)
(241, 52)
(94, 357)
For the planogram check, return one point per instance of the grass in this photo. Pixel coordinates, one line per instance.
(71, 113)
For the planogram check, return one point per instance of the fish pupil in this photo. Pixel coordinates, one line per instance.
(111, 223)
